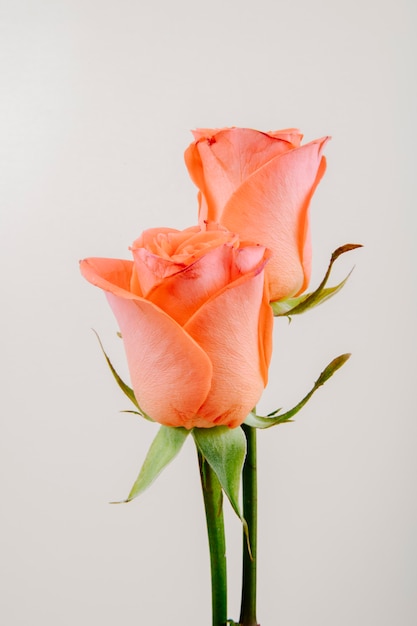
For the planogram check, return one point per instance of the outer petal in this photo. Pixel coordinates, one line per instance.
(221, 160)
(229, 327)
(292, 135)
(265, 335)
(114, 275)
(271, 207)
(170, 374)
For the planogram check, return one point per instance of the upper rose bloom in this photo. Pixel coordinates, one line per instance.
(260, 185)
(196, 323)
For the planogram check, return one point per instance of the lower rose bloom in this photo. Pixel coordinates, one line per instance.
(196, 324)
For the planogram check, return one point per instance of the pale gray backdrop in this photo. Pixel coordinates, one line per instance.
(98, 99)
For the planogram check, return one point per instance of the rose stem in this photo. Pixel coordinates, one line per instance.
(213, 503)
(250, 513)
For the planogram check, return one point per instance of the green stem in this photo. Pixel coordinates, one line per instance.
(250, 513)
(213, 503)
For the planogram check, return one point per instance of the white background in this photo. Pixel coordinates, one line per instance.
(98, 99)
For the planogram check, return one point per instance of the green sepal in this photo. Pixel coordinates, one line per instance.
(295, 306)
(224, 449)
(164, 448)
(258, 421)
(128, 391)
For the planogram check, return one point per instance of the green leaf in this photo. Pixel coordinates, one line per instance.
(125, 388)
(224, 450)
(295, 306)
(164, 448)
(258, 421)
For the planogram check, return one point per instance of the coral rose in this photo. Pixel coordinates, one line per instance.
(260, 185)
(196, 323)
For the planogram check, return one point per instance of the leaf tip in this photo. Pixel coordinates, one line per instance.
(347, 247)
(333, 366)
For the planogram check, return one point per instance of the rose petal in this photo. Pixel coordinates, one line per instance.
(164, 241)
(112, 275)
(291, 135)
(271, 207)
(185, 292)
(160, 274)
(265, 336)
(229, 328)
(151, 269)
(248, 257)
(169, 372)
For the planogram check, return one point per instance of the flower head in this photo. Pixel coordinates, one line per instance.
(260, 186)
(195, 320)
